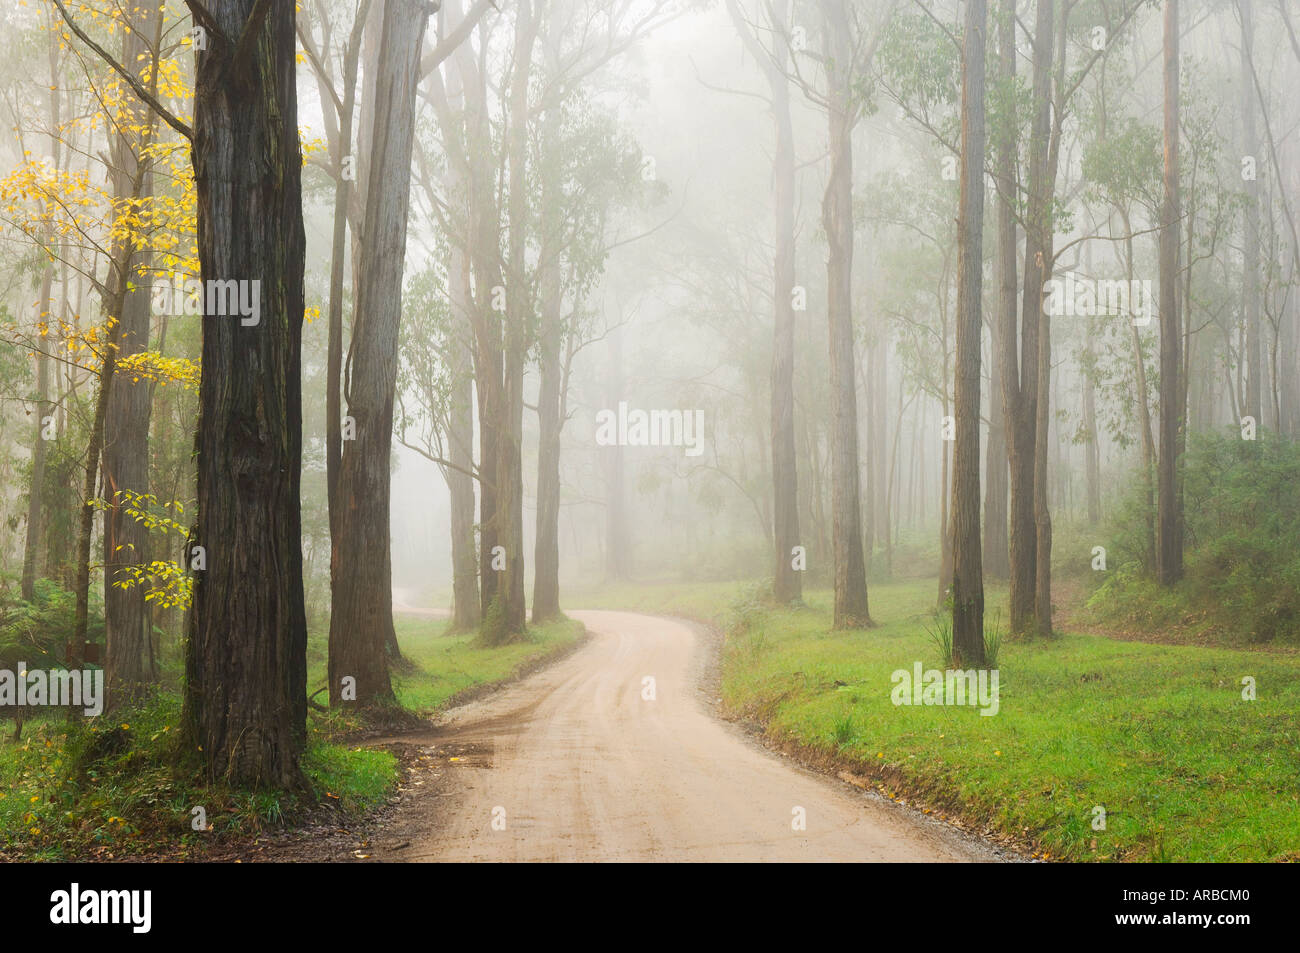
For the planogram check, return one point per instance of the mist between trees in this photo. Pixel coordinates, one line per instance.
(485, 303)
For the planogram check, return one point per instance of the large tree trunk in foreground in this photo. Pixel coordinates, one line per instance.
(246, 660)
(851, 609)
(968, 573)
(361, 620)
(1169, 556)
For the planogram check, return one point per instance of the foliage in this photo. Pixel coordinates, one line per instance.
(1242, 563)
(170, 586)
(36, 632)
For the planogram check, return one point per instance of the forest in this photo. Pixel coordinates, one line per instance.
(650, 430)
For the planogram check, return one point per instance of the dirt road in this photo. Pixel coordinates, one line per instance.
(583, 761)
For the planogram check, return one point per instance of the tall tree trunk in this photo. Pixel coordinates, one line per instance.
(126, 422)
(464, 555)
(505, 620)
(484, 246)
(1250, 228)
(1021, 382)
(459, 178)
(787, 583)
(338, 246)
(997, 556)
(246, 656)
(1169, 557)
(361, 620)
(968, 572)
(546, 558)
(851, 608)
(1042, 420)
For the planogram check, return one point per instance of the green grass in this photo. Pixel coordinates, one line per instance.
(1157, 735)
(106, 790)
(113, 789)
(451, 664)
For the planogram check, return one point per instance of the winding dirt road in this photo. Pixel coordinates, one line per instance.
(579, 763)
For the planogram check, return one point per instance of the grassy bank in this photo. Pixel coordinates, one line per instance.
(110, 789)
(1158, 736)
(450, 666)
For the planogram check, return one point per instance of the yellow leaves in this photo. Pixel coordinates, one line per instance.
(167, 584)
(160, 369)
(73, 210)
(309, 145)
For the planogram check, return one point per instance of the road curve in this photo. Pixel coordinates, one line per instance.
(574, 764)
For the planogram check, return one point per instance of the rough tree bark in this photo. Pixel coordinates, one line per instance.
(246, 661)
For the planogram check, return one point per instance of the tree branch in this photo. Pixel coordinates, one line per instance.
(164, 113)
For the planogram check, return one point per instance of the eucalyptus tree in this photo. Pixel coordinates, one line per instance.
(968, 573)
(849, 41)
